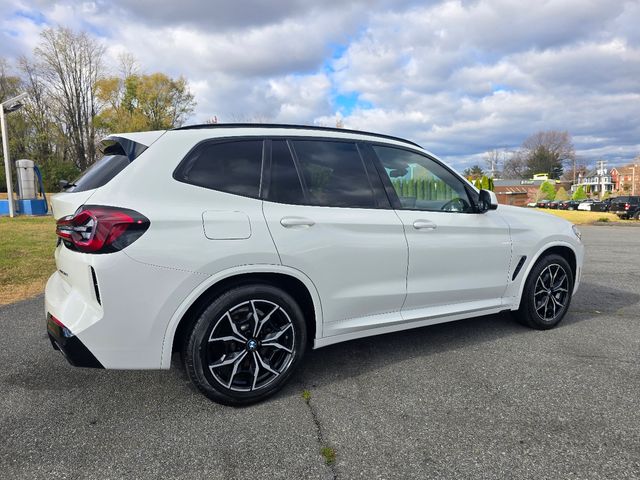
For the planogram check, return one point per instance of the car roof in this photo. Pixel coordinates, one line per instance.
(293, 127)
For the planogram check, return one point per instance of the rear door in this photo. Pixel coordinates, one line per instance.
(458, 260)
(330, 218)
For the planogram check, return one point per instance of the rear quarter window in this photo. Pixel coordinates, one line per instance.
(233, 166)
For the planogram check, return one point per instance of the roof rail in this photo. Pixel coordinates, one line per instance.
(284, 125)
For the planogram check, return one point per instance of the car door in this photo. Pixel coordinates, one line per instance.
(329, 220)
(458, 259)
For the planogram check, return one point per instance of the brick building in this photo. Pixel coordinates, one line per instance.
(626, 179)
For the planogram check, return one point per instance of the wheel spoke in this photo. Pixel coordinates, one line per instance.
(228, 338)
(277, 335)
(265, 365)
(265, 320)
(234, 327)
(277, 345)
(235, 368)
(255, 318)
(256, 371)
(228, 360)
(556, 302)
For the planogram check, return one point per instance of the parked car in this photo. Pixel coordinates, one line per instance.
(602, 206)
(586, 205)
(240, 247)
(568, 205)
(553, 204)
(543, 203)
(626, 207)
(532, 204)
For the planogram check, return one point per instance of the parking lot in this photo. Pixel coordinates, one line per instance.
(481, 398)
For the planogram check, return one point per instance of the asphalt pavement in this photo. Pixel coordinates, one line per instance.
(480, 398)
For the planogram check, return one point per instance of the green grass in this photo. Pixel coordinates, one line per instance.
(329, 455)
(306, 396)
(26, 256)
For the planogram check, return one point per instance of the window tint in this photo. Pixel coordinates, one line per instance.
(285, 184)
(421, 183)
(100, 173)
(232, 167)
(334, 174)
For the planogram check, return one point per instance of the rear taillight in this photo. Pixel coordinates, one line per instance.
(627, 206)
(97, 229)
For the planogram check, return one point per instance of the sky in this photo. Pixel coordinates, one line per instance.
(458, 77)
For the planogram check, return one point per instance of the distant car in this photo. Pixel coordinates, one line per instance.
(553, 204)
(532, 204)
(568, 205)
(542, 203)
(586, 205)
(626, 207)
(603, 206)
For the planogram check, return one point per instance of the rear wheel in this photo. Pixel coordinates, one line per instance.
(637, 215)
(245, 345)
(547, 293)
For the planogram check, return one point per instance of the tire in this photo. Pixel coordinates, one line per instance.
(637, 215)
(535, 310)
(234, 359)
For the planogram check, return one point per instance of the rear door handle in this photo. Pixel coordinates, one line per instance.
(290, 222)
(424, 225)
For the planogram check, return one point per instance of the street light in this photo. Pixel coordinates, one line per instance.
(9, 106)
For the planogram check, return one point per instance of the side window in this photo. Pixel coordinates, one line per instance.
(421, 183)
(285, 184)
(334, 174)
(232, 167)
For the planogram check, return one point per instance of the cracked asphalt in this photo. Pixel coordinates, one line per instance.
(480, 398)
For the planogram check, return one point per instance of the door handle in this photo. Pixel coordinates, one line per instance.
(424, 225)
(289, 222)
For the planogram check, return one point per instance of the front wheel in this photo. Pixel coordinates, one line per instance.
(547, 293)
(245, 345)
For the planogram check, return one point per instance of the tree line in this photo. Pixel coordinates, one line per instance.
(550, 152)
(74, 100)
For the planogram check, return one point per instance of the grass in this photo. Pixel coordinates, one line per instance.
(26, 256)
(580, 217)
(329, 455)
(306, 396)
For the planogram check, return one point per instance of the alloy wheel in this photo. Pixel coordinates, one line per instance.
(551, 292)
(250, 345)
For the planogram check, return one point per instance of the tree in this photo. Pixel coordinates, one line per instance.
(143, 102)
(495, 160)
(545, 152)
(561, 194)
(605, 195)
(474, 172)
(547, 191)
(70, 64)
(515, 166)
(579, 194)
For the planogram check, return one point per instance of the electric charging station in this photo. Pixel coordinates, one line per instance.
(30, 188)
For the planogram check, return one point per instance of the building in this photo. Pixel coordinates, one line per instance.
(520, 192)
(596, 181)
(626, 179)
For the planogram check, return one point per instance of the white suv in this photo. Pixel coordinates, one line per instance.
(240, 246)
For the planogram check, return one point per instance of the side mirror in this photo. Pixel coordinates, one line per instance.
(487, 201)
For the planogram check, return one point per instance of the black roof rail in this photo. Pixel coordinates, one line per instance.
(284, 125)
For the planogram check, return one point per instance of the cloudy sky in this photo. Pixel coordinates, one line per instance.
(459, 77)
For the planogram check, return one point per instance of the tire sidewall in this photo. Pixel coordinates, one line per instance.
(527, 309)
(195, 341)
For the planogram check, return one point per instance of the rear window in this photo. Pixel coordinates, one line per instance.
(118, 154)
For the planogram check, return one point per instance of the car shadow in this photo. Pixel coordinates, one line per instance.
(341, 361)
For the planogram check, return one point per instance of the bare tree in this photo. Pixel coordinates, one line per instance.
(515, 166)
(71, 64)
(495, 160)
(547, 151)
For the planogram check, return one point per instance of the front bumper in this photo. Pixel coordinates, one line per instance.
(71, 347)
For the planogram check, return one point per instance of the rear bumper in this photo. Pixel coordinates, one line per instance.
(71, 347)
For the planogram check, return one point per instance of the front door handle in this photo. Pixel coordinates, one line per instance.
(290, 222)
(424, 225)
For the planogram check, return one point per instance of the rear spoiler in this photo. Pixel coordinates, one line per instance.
(131, 145)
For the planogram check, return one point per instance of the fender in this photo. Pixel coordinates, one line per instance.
(534, 259)
(167, 343)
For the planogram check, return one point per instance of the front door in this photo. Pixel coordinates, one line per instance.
(458, 260)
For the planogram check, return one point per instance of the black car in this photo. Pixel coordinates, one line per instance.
(569, 205)
(626, 206)
(603, 206)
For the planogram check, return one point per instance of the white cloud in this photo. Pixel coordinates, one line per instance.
(460, 77)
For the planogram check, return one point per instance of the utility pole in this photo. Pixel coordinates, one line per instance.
(9, 106)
